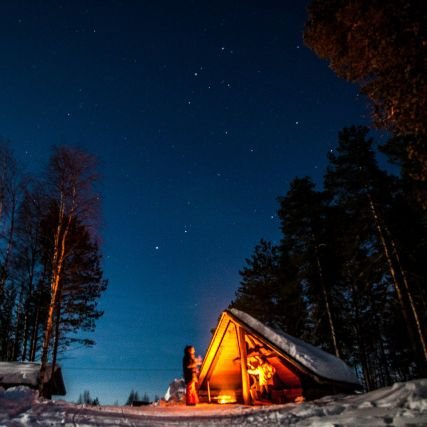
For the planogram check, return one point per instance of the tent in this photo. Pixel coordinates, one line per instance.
(28, 374)
(249, 362)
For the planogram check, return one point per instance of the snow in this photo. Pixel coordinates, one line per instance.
(175, 391)
(313, 358)
(397, 405)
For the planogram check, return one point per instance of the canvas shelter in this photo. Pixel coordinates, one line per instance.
(244, 351)
(28, 374)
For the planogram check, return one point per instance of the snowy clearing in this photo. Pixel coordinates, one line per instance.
(402, 404)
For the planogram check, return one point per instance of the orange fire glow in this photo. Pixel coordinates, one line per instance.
(225, 398)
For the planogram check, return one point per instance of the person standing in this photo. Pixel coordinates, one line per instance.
(190, 368)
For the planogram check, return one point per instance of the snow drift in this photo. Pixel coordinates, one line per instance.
(397, 405)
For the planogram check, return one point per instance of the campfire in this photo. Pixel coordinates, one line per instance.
(225, 398)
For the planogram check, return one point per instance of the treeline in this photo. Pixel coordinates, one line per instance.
(134, 398)
(349, 273)
(86, 399)
(50, 272)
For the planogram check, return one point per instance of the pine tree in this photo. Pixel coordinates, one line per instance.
(306, 242)
(366, 195)
(258, 291)
(86, 399)
(380, 45)
(133, 396)
(349, 272)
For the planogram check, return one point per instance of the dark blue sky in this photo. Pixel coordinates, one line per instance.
(200, 114)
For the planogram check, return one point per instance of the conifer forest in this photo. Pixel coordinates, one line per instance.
(349, 273)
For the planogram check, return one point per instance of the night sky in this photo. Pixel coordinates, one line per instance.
(200, 114)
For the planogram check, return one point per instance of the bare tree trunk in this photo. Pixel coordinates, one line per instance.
(397, 285)
(18, 327)
(26, 325)
(360, 342)
(411, 300)
(57, 333)
(34, 335)
(30, 290)
(362, 354)
(383, 357)
(58, 262)
(25, 337)
(5, 267)
(326, 299)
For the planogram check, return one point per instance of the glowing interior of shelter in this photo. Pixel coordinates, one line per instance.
(248, 362)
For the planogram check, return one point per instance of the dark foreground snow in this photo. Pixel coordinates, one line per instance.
(403, 404)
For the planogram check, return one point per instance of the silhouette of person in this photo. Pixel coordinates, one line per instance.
(190, 366)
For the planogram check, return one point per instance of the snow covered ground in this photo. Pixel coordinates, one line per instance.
(403, 404)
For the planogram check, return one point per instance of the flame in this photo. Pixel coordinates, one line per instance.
(226, 398)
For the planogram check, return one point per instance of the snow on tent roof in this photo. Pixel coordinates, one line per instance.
(313, 358)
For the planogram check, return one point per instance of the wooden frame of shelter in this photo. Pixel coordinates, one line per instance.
(300, 370)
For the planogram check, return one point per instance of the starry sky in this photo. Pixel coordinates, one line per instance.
(200, 114)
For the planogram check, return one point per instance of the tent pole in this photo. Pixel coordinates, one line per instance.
(243, 364)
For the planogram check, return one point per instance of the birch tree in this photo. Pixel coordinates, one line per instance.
(71, 196)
